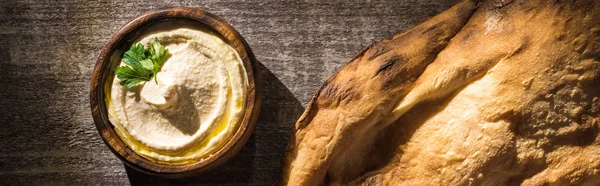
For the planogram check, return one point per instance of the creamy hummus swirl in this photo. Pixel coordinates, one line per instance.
(195, 108)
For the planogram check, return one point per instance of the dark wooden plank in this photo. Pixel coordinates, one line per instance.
(48, 50)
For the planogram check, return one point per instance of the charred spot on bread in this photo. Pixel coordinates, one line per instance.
(334, 94)
(376, 49)
(390, 68)
(433, 28)
(468, 35)
(389, 62)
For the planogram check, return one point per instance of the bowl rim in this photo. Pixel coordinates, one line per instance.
(101, 72)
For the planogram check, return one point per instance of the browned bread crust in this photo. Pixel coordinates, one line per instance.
(350, 104)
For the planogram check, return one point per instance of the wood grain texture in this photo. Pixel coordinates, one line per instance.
(48, 50)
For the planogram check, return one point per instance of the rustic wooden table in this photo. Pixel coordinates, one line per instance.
(48, 50)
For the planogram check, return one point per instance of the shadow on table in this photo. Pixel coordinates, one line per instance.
(259, 161)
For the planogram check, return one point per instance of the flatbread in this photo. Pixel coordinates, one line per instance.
(485, 93)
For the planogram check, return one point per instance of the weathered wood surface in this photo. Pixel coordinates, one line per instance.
(48, 50)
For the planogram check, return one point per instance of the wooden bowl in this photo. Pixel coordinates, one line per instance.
(109, 58)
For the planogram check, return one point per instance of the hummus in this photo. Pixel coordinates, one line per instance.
(196, 106)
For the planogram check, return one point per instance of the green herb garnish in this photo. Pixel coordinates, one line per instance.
(142, 64)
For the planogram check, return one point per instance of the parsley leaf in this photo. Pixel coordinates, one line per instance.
(130, 77)
(158, 55)
(142, 64)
